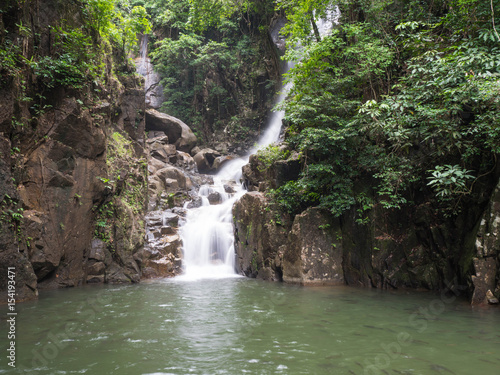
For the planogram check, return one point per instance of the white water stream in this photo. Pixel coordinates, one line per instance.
(207, 235)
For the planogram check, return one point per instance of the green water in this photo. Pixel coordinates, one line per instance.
(238, 326)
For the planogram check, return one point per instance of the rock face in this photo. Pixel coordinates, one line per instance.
(310, 254)
(259, 243)
(259, 177)
(486, 279)
(178, 133)
(314, 252)
(405, 248)
(162, 253)
(79, 167)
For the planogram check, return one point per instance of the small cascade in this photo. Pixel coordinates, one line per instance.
(207, 235)
(153, 89)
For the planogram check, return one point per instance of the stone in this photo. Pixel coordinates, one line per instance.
(195, 203)
(314, 253)
(492, 300)
(185, 161)
(171, 219)
(167, 230)
(214, 197)
(205, 160)
(177, 131)
(96, 268)
(256, 238)
(157, 137)
(173, 173)
(229, 189)
(162, 152)
(154, 134)
(97, 250)
(221, 160)
(195, 150)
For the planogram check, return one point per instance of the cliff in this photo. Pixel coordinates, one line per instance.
(372, 247)
(73, 167)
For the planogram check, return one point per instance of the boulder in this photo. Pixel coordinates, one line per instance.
(314, 252)
(184, 161)
(162, 152)
(214, 197)
(177, 132)
(173, 173)
(205, 160)
(258, 241)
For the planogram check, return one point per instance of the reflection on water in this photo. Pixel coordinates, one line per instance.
(237, 325)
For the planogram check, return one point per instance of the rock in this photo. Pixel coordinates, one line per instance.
(26, 282)
(487, 251)
(173, 173)
(195, 150)
(314, 252)
(167, 230)
(154, 134)
(256, 238)
(229, 189)
(205, 160)
(221, 160)
(177, 132)
(162, 152)
(214, 198)
(195, 203)
(157, 137)
(492, 300)
(184, 161)
(115, 274)
(170, 219)
(96, 268)
(97, 250)
(155, 165)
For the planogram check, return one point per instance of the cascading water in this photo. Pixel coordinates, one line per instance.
(153, 89)
(207, 235)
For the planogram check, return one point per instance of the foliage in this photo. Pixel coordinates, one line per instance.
(383, 96)
(207, 62)
(449, 179)
(270, 154)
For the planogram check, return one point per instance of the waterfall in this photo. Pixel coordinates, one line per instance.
(207, 235)
(153, 89)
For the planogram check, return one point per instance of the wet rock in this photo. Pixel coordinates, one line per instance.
(177, 131)
(195, 203)
(229, 189)
(170, 219)
(214, 197)
(115, 274)
(26, 281)
(221, 160)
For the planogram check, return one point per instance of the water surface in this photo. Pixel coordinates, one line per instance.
(238, 326)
